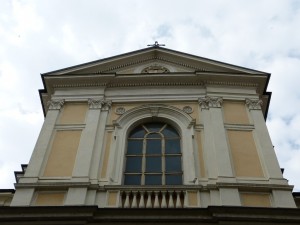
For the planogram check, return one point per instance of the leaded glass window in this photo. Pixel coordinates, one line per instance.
(153, 155)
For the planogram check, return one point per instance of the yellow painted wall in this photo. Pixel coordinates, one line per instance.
(63, 153)
(73, 113)
(49, 199)
(244, 154)
(255, 199)
(193, 198)
(235, 112)
(112, 198)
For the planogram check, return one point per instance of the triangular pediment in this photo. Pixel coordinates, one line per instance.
(153, 60)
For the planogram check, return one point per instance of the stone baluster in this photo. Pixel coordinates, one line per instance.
(171, 201)
(163, 201)
(134, 200)
(142, 200)
(127, 204)
(156, 202)
(178, 202)
(149, 203)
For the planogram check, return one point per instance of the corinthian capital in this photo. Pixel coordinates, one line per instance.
(210, 102)
(99, 104)
(94, 103)
(254, 104)
(106, 104)
(55, 104)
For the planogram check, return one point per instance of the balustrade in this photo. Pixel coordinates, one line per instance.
(152, 199)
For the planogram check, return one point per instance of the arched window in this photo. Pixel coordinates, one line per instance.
(153, 155)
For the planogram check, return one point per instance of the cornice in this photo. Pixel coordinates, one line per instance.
(135, 62)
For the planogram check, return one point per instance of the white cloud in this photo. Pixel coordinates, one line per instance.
(40, 36)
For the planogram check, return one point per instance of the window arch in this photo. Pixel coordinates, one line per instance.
(153, 155)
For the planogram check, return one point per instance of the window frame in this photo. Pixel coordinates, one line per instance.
(163, 154)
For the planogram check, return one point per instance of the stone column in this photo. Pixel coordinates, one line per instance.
(282, 198)
(88, 153)
(23, 197)
(266, 151)
(216, 147)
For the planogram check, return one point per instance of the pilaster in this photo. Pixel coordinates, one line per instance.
(37, 159)
(269, 159)
(217, 151)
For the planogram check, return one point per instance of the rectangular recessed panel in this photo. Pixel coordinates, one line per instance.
(73, 113)
(62, 155)
(244, 154)
(235, 112)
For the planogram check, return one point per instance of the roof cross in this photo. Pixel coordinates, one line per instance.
(156, 44)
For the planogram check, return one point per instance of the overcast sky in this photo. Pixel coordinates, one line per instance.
(41, 36)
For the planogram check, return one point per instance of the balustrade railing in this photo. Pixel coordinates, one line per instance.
(152, 199)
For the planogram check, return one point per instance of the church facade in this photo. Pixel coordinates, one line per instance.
(155, 132)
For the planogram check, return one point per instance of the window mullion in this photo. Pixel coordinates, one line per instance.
(143, 161)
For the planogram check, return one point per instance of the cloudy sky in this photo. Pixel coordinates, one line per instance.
(41, 36)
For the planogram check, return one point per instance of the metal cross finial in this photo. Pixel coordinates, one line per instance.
(156, 44)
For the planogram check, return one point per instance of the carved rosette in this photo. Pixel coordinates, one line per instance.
(120, 110)
(187, 109)
(254, 104)
(210, 102)
(55, 104)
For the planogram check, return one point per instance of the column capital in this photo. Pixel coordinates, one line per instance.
(102, 104)
(94, 103)
(254, 104)
(210, 102)
(106, 104)
(55, 104)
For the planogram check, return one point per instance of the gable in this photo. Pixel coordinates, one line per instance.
(153, 60)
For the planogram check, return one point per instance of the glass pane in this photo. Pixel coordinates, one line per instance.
(138, 132)
(153, 164)
(172, 146)
(154, 127)
(134, 164)
(173, 179)
(153, 180)
(153, 146)
(170, 132)
(153, 135)
(173, 164)
(135, 147)
(132, 179)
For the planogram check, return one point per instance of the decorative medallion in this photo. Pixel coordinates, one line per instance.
(120, 110)
(187, 109)
(155, 69)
